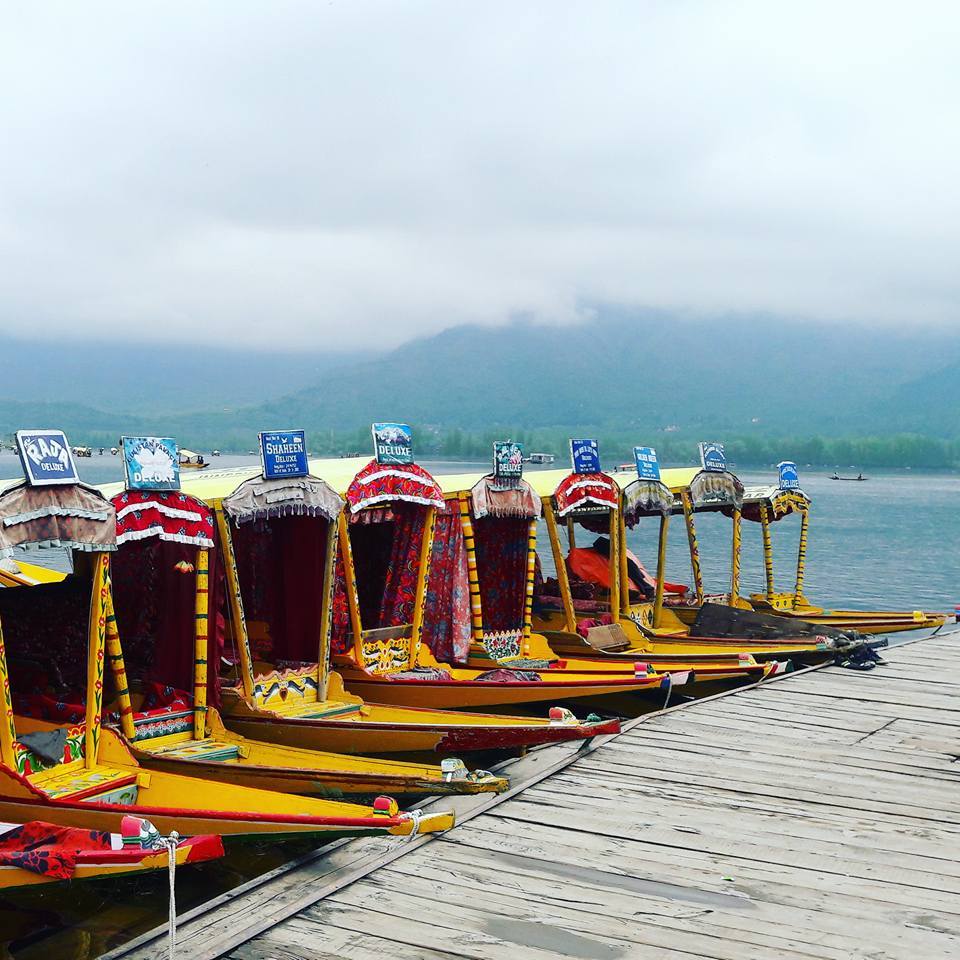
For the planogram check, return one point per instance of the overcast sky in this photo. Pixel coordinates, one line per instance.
(350, 174)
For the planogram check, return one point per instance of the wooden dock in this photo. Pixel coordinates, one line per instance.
(815, 816)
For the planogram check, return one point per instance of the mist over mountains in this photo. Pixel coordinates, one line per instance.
(630, 371)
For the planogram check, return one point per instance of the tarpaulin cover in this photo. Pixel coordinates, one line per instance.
(74, 517)
(280, 564)
(257, 499)
(501, 546)
(646, 498)
(47, 849)
(521, 501)
(780, 503)
(172, 516)
(717, 490)
(578, 491)
(380, 483)
(446, 613)
(154, 596)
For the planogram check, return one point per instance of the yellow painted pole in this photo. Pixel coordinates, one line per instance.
(615, 554)
(801, 555)
(96, 639)
(118, 671)
(531, 576)
(8, 732)
(350, 578)
(694, 546)
(326, 610)
(767, 550)
(201, 637)
(558, 561)
(473, 576)
(661, 569)
(238, 618)
(735, 559)
(624, 569)
(571, 533)
(423, 573)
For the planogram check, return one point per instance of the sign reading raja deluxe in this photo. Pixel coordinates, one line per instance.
(648, 466)
(507, 460)
(585, 456)
(789, 477)
(46, 457)
(393, 443)
(283, 453)
(712, 457)
(151, 463)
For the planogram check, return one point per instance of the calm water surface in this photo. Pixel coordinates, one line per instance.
(887, 543)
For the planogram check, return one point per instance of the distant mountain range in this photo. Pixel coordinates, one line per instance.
(636, 371)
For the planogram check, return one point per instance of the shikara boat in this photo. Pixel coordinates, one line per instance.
(401, 531)
(37, 853)
(274, 538)
(58, 762)
(167, 637)
(769, 504)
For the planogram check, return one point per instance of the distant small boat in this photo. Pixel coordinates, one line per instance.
(858, 479)
(192, 461)
(541, 458)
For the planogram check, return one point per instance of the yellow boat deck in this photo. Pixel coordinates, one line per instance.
(813, 817)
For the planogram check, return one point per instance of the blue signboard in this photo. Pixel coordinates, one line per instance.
(283, 453)
(789, 478)
(150, 463)
(648, 466)
(507, 461)
(46, 457)
(712, 457)
(585, 456)
(393, 443)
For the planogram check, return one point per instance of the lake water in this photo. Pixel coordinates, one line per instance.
(887, 543)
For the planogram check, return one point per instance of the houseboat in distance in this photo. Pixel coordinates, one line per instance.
(540, 458)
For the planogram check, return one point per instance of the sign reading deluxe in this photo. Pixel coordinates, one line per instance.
(283, 453)
(46, 457)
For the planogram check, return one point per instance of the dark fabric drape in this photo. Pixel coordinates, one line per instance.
(154, 591)
(446, 614)
(501, 544)
(280, 564)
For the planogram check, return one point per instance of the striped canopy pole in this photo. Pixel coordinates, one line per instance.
(767, 550)
(201, 638)
(735, 558)
(238, 620)
(694, 546)
(423, 575)
(326, 610)
(558, 561)
(801, 555)
(96, 641)
(615, 554)
(624, 569)
(8, 732)
(528, 588)
(473, 576)
(118, 671)
(661, 569)
(350, 584)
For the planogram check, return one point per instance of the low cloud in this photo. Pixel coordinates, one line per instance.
(354, 174)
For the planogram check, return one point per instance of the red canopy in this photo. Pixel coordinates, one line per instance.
(170, 515)
(579, 490)
(380, 484)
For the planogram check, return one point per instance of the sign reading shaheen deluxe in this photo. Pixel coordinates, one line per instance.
(46, 457)
(151, 463)
(283, 453)
(393, 443)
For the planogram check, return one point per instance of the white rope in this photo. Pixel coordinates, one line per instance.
(171, 844)
(416, 816)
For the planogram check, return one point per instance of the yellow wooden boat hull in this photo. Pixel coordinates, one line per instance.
(73, 796)
(295, 770)
(348, 724)
(872, 622)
